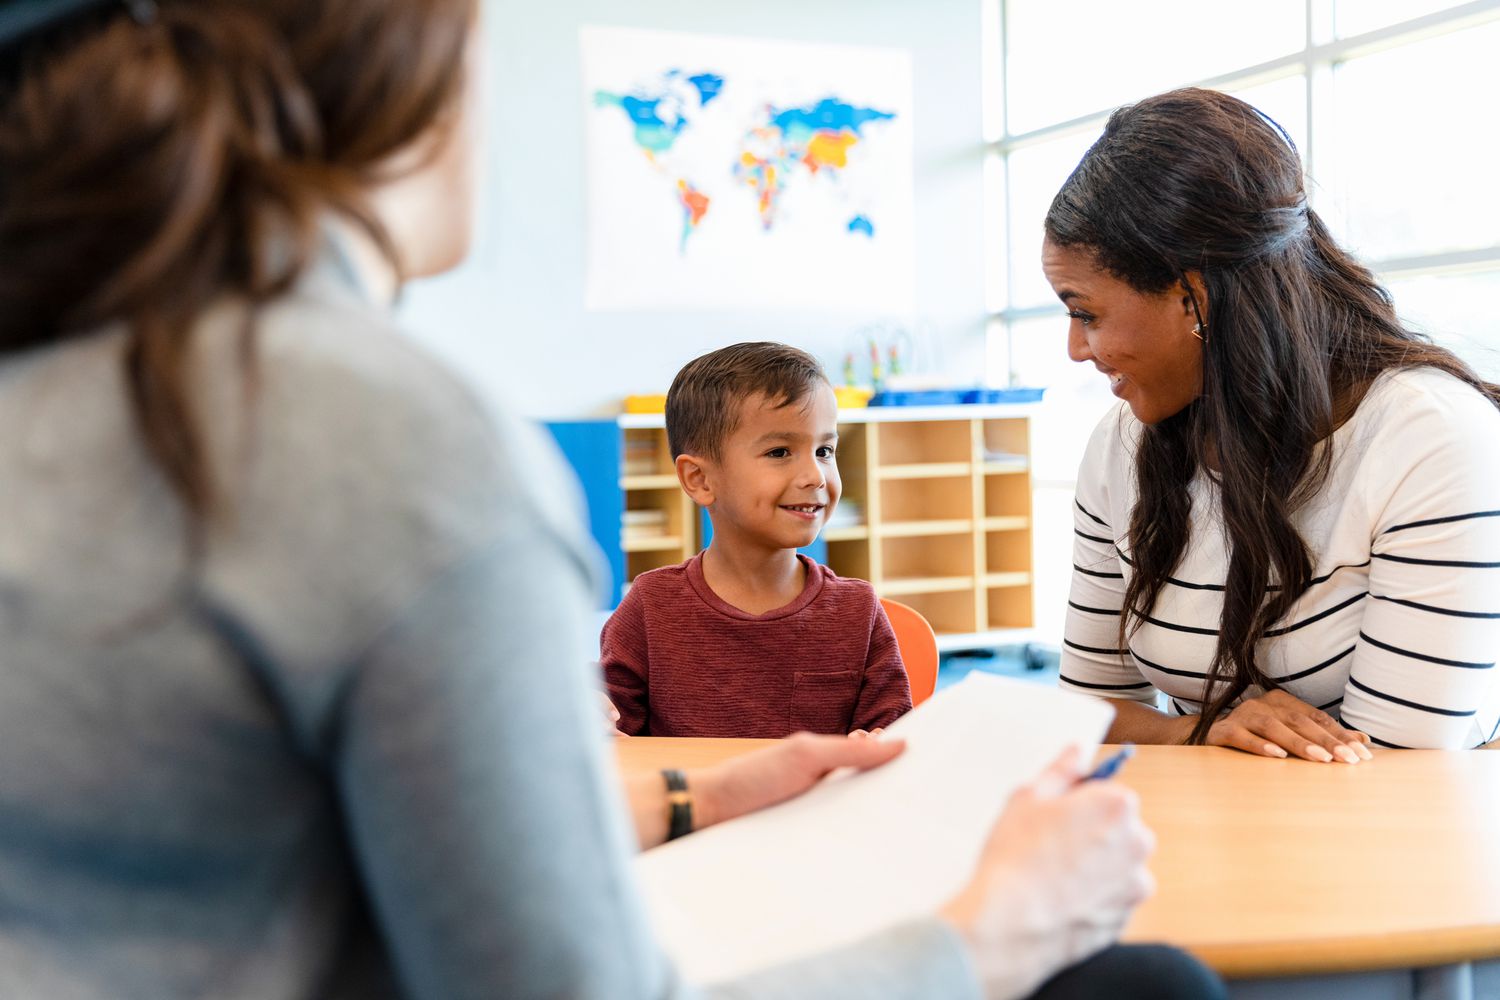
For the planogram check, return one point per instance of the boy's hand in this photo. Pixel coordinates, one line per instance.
(867, 734)
(611, 716)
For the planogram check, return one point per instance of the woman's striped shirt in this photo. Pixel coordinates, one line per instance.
(1399, 633)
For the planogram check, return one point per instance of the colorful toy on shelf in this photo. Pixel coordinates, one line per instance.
(652, 403)
(852, 397)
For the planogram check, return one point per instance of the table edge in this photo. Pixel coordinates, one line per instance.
(1362, 953)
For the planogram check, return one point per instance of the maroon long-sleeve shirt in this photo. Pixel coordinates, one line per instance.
(681, 662)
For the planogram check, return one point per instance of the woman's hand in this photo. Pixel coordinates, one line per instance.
(1062, 871)
(1277, 724)
(776, 773)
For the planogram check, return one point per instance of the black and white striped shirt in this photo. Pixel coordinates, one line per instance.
(1400, 631)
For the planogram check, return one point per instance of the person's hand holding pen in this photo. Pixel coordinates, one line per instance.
(1064, 868)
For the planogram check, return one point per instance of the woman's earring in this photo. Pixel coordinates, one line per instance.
(1198, 330)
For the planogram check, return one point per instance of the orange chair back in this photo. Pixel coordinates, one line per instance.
(918, 645)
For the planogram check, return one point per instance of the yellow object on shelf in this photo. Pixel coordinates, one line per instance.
(852, 397)
(654, 403)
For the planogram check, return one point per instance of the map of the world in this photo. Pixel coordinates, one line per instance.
(743, 172)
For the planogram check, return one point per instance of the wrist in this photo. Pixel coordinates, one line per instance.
(1182, 729)
(707, 802)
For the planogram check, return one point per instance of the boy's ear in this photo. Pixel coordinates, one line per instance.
(692, 474)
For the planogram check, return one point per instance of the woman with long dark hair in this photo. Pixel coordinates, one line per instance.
(294, 697)
(1291, 526)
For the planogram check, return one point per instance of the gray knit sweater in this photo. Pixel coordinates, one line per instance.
(351, 750)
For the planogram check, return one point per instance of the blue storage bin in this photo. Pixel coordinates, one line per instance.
(1015, 394)
(918, 397)
(954, 397)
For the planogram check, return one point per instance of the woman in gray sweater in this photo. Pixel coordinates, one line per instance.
(293, 696)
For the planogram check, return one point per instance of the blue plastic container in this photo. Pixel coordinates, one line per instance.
(954, 397)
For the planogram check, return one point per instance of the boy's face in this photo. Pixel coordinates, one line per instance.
(776, 480)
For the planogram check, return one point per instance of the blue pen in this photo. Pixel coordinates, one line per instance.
(1110, 764)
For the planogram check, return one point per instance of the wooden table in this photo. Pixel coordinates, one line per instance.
(1284, 867)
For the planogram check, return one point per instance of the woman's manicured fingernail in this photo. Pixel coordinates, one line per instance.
(1346, 755)
(1274, 750)
(1318, 753)
(1363, 751)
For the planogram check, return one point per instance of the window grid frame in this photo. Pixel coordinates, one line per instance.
(1322, 51)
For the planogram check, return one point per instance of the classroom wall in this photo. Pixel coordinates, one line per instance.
(512, 318)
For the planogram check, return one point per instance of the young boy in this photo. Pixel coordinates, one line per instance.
(750, 638)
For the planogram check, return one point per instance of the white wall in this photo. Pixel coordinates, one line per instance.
(513, 319)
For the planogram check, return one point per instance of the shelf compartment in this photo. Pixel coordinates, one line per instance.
(1012, 522)
(916, 442)
(846, 533)
(1006, 436)
(639, 562)
(947, 499)
(1006, 496)
(930, 557)
(1007, 552)
(924, 470)
(853, 462)
(949, 612)
(652, 482)
(1009, 607)
(645, 453)
(849, 557)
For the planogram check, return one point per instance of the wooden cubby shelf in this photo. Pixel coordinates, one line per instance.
(939, 498)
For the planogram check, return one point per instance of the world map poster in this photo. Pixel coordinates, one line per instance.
(744, 173)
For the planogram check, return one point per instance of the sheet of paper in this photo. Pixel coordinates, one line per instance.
(862, 852)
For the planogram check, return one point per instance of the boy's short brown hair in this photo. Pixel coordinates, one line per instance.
(703, 402)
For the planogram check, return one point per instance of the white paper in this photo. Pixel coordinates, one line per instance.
(827, 232)
(862, 852)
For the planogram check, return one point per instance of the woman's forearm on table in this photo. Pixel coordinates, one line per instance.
(1137, 723)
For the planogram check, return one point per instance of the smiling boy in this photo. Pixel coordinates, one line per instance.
(750, 638)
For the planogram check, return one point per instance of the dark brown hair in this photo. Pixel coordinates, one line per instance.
(1195, 180)
(150, 166)
(703, 402)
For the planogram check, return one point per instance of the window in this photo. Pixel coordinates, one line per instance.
(1390, 102)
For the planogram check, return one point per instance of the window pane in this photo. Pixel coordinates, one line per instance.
(1284, 101)
(1354, 17)
(1036, 172)
(1066, 58)
(1415, 156)
(1458, 311)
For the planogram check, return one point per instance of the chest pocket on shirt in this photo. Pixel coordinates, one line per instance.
(824, 702)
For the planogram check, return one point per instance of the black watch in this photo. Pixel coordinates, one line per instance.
(680, 820)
